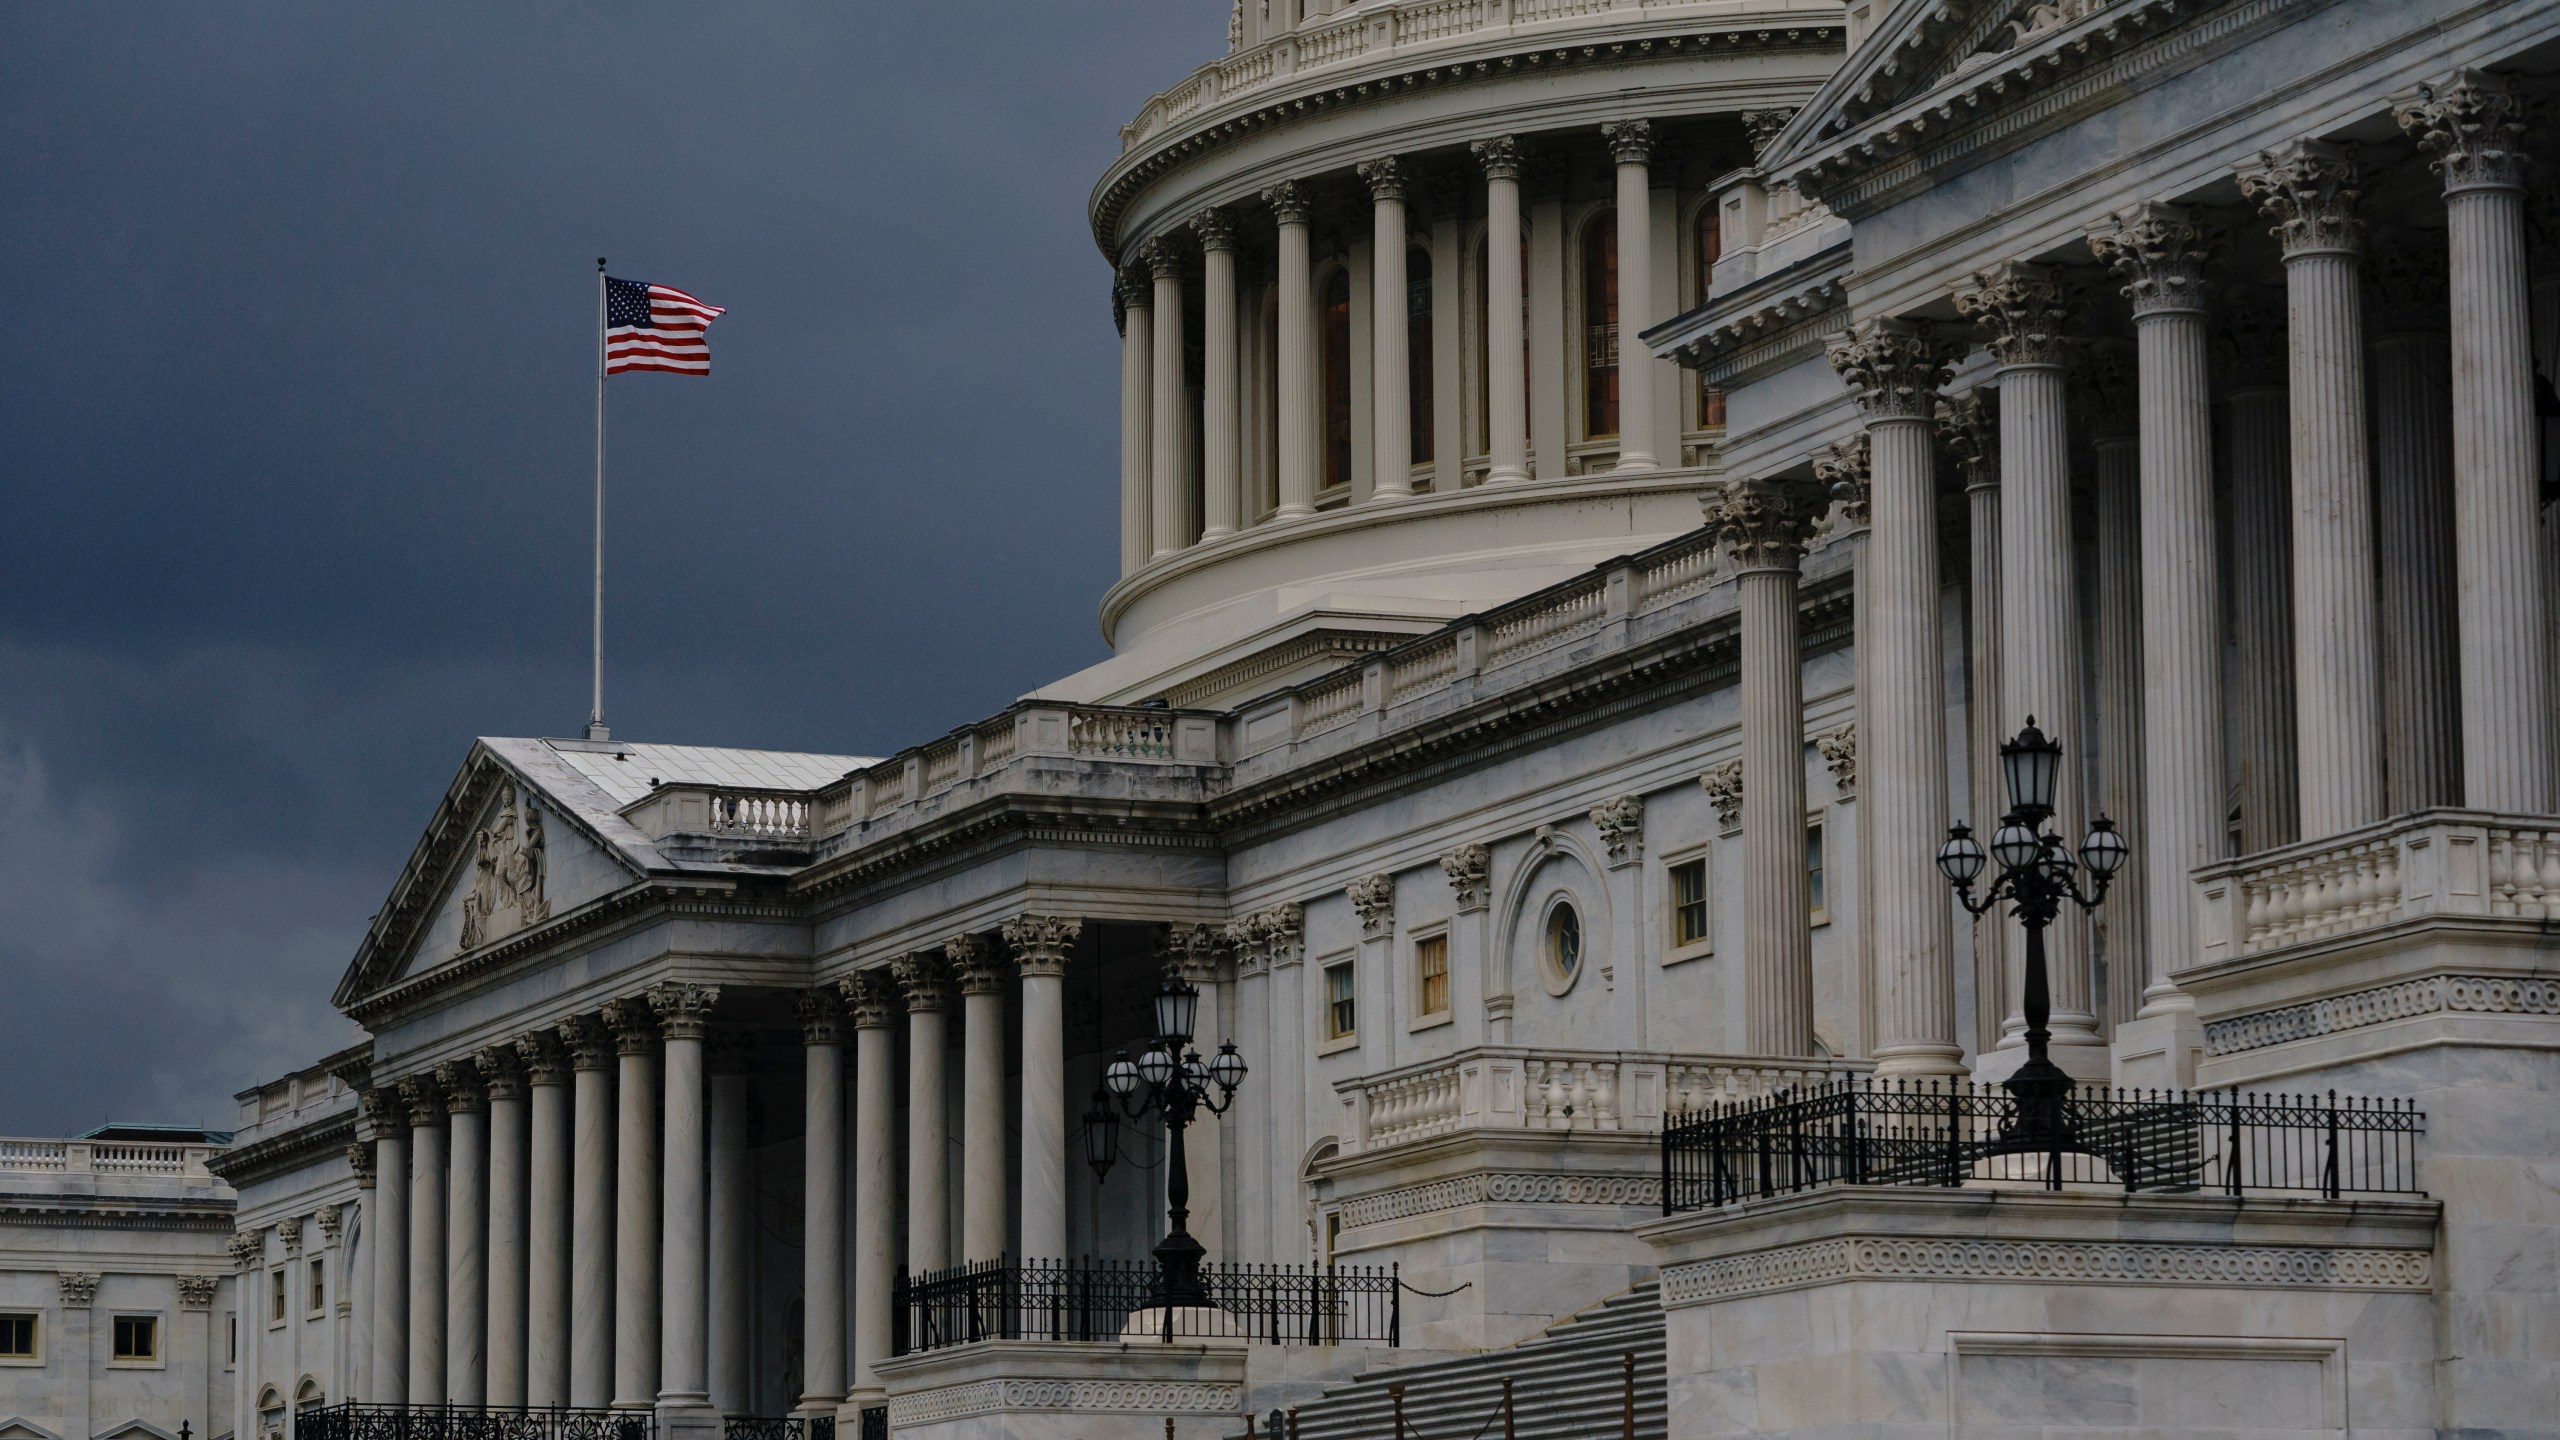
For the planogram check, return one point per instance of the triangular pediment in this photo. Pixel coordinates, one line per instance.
(19, 1427)
(1918, 46)
(136, 1429)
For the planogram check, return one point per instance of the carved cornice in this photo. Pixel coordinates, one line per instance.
(1469, 868)
(2159, 252)
(1893, 367)
(2470, 126)
(1373, 899)
(2053, 1262)
(1500, 157)
(2019, 309)
(289, 1149)
(683, 1008)
(1041, 943)
(1770, 323)
(2381, 1005)
(2309, 188)
(1766, 523)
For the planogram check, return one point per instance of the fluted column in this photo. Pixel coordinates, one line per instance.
(925, 982)
(1631, 146)
(873, 998)
(591, 1238)
(1765, 524)
(635, 1215)
(2470, 125)
(1166, 452)
(547, 1188)
(2019, 309)
(822, 1202)
(730, 1251)
(387, 1228)
(2261, 549)
(466, 1233)
(502, 1073)
(1221, 403)
(684, 1018)
(1292, 206)
(1506, 383)
(2310, 190)
(2414, 501)
(1895, 368)
(1040, 945)
(2158, 251)
(981, 975)
(1971, 427)
(1132, 306)
(2120, 620)
(426, 1240)
(1390, 366)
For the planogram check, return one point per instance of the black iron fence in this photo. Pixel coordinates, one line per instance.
(1862, 1131)
(1122, 1300)
(778, 1427)
(471, 1422)
(875, 1422)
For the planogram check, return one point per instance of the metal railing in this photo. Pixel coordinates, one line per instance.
(1113, 1300)
(1868, 1132)
(875, 1422)
(471, 1422)
(778, 1427)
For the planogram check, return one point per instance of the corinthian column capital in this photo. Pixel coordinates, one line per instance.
(1385, 177)
(1041, 943)
(2309, 188)
(1970, 425)
(2159, 252)
(872, 996)
(2018, 306)
(1894, 367)
(1162, 257)
(1630, 141)
(684, 1010)
(1291, 202)
(1766, 522)
(2470, 126)
(1215, 229)
(1500, 157)
(924, 979)
(1844, 472)
(975, 963)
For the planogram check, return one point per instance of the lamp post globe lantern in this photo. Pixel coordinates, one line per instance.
(1172, 1079)
(2038, 874)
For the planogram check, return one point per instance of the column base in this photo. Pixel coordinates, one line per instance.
(1918, 1062)
(2083, 1058)
(2159, 1051)
(687, 1417)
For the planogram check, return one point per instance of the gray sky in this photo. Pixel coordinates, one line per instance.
(296, 449)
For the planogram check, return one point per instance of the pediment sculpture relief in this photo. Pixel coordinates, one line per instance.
(508, 871)
(2028, 22)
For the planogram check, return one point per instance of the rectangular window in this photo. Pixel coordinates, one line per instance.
(1341, 1002)
(275, 1296)
(1689, 902)
(319, 1291)
(231, 1354)
(17, 1337)
(1813, 868)
(1431, 975)
(137, 1337)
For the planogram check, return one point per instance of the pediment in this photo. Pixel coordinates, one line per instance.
(136, 1429)
(1919, 46)
(19, 1427)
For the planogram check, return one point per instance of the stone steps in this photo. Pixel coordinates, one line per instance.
(1567, 1384)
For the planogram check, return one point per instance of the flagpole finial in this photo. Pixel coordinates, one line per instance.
(599, 263)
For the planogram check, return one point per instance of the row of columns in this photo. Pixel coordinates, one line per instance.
(1155, 441)
(2156, 488)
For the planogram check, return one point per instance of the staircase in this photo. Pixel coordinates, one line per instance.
(1567, 1383)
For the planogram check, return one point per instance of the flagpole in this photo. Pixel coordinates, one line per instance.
(595, 713)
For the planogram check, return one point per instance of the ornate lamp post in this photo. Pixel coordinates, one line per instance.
(1171, 1078)
(2037, 874)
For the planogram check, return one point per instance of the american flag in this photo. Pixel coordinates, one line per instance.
(655, 327)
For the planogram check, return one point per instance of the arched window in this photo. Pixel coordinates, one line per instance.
(1333, 323)
(1417, 349)
(1600, 327)
(1710, 247)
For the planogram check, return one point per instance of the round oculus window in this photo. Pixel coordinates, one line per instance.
(1564, 942)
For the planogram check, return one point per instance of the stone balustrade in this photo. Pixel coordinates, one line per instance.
(103, 1157)
(1501, 1087)
(2435, 863)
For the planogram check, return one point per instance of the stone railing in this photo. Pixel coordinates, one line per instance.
(1503, 1087)
(2433, 863)
(1389, 32)
(726, 810)
(174, 1159)
(1113, 733)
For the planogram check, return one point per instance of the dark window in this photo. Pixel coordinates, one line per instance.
(1417, 349)
(1600, 327)
(137, 1337)
(1335, 342)
(1341, 1002)
(1689, 902)
(18, 1337)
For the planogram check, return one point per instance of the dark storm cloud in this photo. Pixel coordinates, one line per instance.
(295, 438)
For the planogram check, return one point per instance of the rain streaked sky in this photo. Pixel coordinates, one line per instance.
(297, 446)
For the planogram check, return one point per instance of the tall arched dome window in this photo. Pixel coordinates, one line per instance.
(1710, 248)
(1333, 322)
(1417, 349)
(1600, 326)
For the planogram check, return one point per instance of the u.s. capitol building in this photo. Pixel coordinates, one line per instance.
(1600, 484)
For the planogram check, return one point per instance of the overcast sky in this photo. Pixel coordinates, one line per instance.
(296, 445)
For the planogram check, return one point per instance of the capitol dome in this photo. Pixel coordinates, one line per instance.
(1300, 484)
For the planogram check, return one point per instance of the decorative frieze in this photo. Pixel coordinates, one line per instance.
(2159, 252)
(1373, 897)
(1839, 752)
(1040, 944)
(195, 1292)
(1894, 367)
(2470, 126)
(2382, 1004)
(1723, 784)
(1469, 868)
(2018, 307)
(1831, 1261)
(1620, 821)
(1135, 1397)
(1504, 1187)
(2309, 188)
